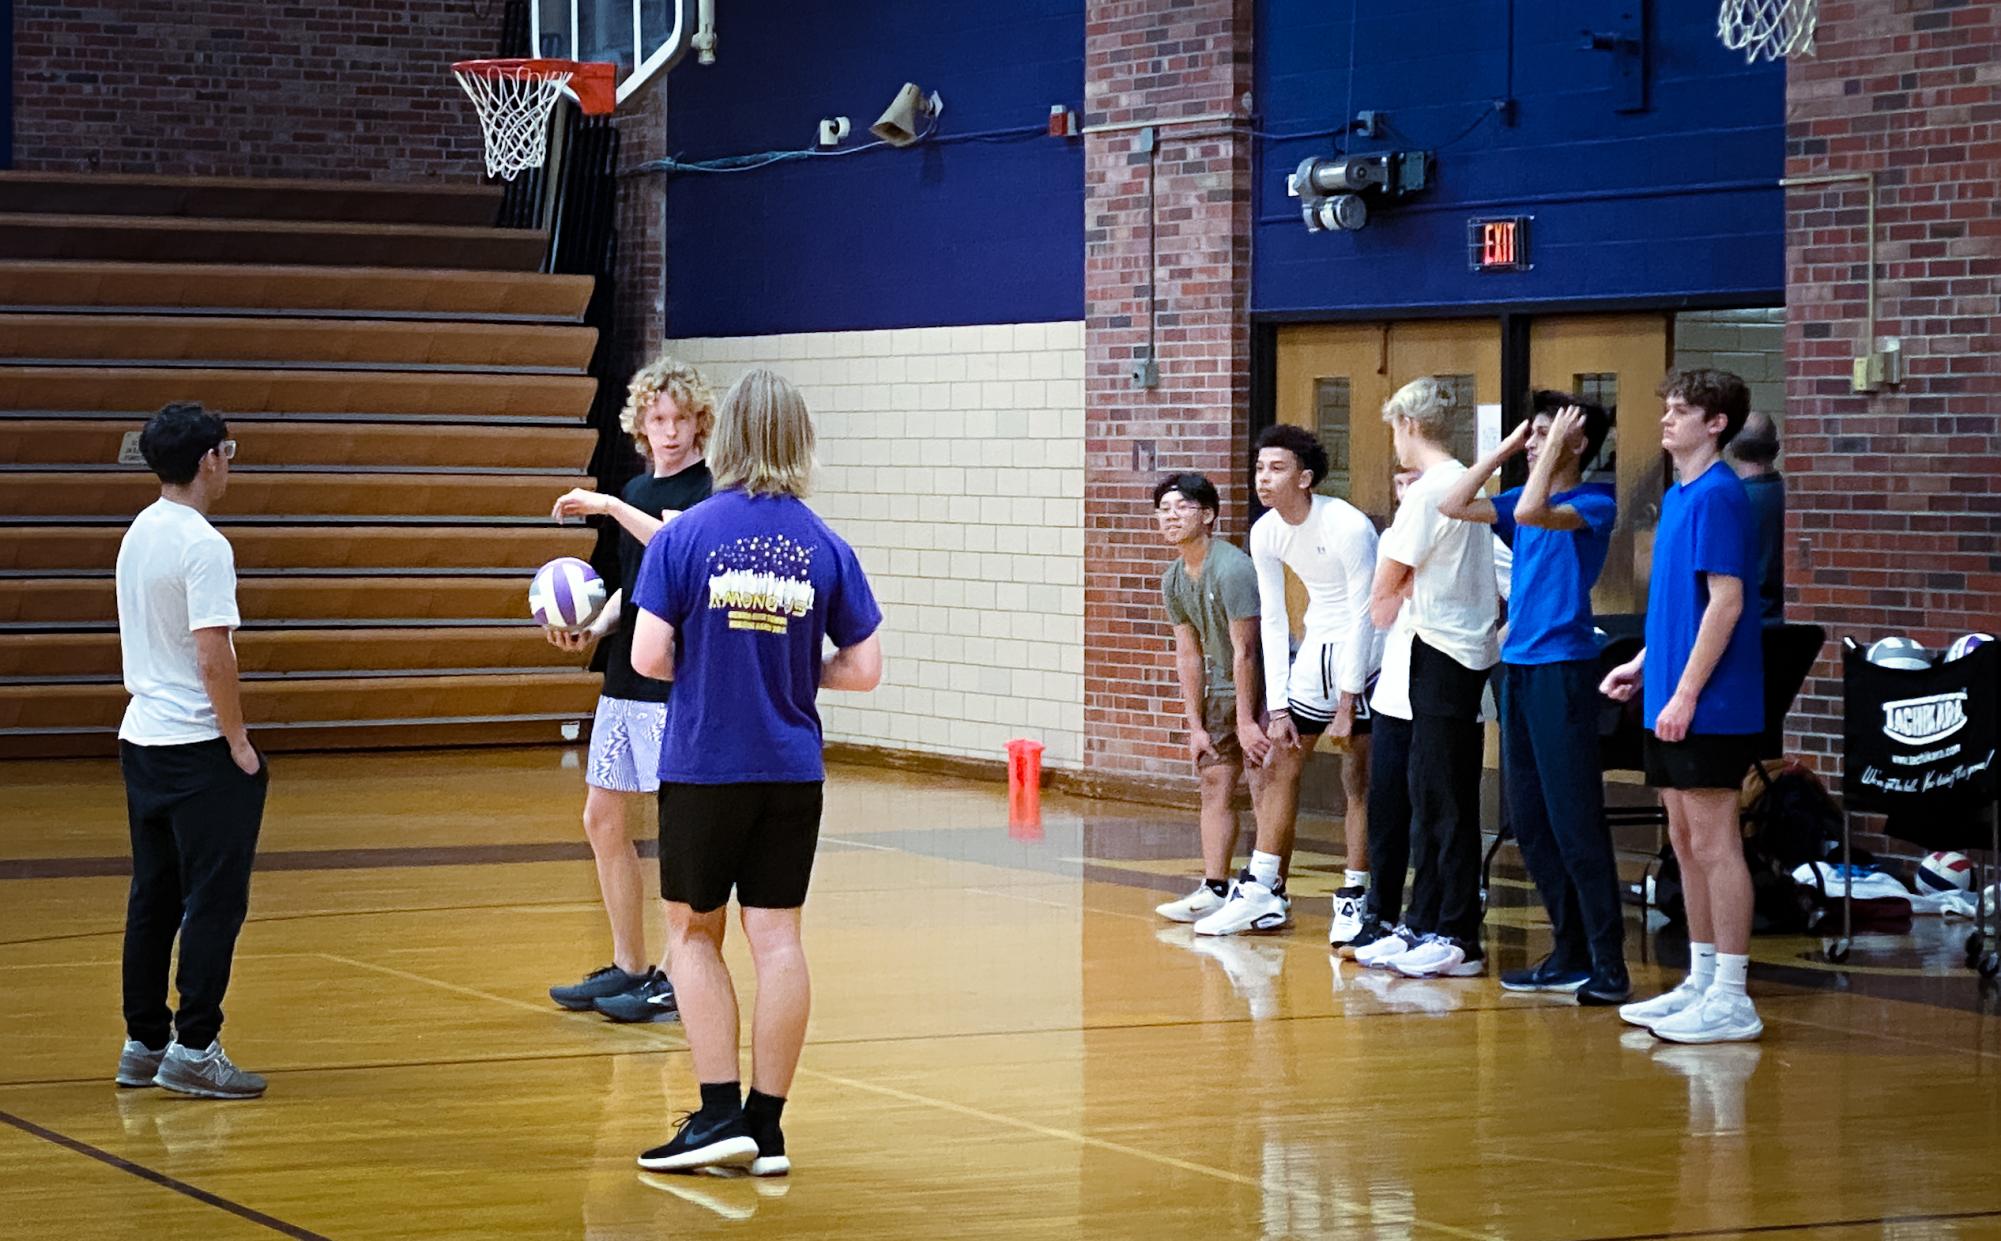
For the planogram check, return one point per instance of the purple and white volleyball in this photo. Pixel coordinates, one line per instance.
(566, 594)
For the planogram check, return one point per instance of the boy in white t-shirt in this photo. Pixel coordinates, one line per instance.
(1435, 592)
(194, 785)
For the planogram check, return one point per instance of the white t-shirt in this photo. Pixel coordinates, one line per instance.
(1334, 554)
(1454, 601)
(176, 574)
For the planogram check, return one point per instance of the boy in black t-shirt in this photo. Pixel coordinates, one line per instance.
(668, 412)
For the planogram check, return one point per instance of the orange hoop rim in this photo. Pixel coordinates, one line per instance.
(594, 83)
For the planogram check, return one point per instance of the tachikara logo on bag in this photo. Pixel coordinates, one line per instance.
(1921, 721)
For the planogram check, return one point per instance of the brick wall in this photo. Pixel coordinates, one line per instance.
(642, 225)
(237, 87)
(952, 459)
(1894, 521)
(1146, 62)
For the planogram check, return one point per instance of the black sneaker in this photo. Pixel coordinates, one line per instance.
(599, 983)
(771, 1160)
(703, 1142)
(1607, 986)
(1548, 974)
(651, 1000)
(1372, 930)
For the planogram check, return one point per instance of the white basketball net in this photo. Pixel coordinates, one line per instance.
(1768, 28)
(514, 107)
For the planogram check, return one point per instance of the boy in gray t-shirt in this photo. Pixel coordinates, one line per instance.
(1211, 595)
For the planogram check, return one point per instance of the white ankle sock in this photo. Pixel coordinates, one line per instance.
(1355, 879)
(1701, 965)
(1731, 969)
(1264, 868)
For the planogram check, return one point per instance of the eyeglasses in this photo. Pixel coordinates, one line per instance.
(227, 448)
(1177, 509)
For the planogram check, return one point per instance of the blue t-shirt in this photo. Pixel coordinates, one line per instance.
(753, 586)
(1549, 598)
(1706, 527)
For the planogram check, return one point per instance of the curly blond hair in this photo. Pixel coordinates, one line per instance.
(680, 383)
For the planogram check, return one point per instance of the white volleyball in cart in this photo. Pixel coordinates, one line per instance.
(1906, 653)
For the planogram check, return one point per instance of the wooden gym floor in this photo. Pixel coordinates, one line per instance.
(1005, 1043)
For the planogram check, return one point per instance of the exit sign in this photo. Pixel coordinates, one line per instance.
(1498, 244)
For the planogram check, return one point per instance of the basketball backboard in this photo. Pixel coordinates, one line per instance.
(642, 37)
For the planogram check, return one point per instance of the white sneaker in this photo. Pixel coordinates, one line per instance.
(1348, 916)
(1193, 907)
(1720, 1017)
(1646, 1012)
(1387, 949)
(1438, 957)
(1251, 907)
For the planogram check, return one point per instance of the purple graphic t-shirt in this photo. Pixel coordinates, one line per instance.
(753, 586)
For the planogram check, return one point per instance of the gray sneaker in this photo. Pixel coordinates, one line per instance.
(137, 1063)
(578, 997)
(206, 1075)
(651, 1000)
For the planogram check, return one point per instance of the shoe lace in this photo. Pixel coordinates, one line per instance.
(600, 972)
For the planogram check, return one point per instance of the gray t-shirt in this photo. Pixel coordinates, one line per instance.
(1226, 590)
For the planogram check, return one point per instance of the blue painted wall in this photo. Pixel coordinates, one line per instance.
(1656, 205)
(954, 233)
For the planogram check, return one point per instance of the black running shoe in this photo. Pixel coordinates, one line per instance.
(1548, 974)
(771, 1160)
(703, 1142)
(1607, 986)
(651, 1000)
(579, 996)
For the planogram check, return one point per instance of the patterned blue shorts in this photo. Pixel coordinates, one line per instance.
(625, 745)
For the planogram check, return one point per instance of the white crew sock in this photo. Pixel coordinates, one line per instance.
(1264, 868)
(1355, 879)
(1731, 969)
(1701, 965)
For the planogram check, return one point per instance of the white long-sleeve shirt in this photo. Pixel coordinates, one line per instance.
(1333, 553)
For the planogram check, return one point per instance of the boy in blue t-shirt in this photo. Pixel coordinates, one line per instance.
(1702, 674)
(738, 598)
(1559, 529)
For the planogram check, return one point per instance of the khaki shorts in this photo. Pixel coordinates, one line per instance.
(1219, 719)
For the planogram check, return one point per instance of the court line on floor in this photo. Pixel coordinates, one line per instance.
(1743, 1229)
(1338, 1203)
(144, 1173)
(662, 1037)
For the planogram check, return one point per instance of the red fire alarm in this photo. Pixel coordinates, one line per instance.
(1062, 121)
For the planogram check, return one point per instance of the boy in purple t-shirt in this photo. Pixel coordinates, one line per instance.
(738, 598)
(1702, 674)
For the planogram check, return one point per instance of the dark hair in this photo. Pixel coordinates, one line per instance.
(1758, 443)
(1302, 444)
(1713, 392)
(1597, 420)
(178, 437)
(1196, 487)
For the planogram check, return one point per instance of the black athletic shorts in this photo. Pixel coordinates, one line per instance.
(755, 838)
(1701, 760)
(1310, 723)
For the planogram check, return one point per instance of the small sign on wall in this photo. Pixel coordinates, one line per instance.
(128, 450)
(1498, 243)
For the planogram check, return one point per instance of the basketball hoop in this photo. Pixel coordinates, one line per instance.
(1768, 28)
(515, 97)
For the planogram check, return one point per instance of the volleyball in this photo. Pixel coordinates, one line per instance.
(1906, 653)
(1945, 872)
(1966, 644)
(566, 594)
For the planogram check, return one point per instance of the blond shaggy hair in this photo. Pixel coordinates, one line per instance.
(680, 383)
(764, 437)
(1427, 403)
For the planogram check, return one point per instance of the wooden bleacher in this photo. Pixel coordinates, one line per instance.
(409, 394)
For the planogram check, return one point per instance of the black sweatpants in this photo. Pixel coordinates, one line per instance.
(1389, 817)
(1556, 806)
(194, 817)
(1445, 758)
